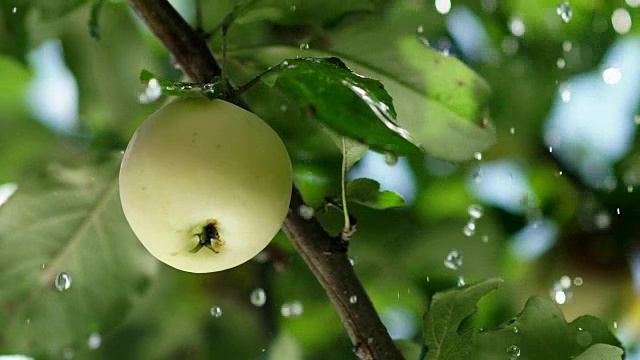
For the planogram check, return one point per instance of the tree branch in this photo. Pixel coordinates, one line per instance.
(326, 256)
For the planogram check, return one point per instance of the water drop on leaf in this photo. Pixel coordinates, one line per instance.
(95, 340)
(63, 281)
(514, 352)
(353, 299)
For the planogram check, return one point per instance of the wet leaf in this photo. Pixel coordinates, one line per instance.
(67, 219)
(541, 332)
(447, 336)
(601, 352)
(351, 105)
(367, 192)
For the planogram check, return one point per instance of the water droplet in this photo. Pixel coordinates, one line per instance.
(292, 309)
(258, 297)
(621, 21)
(420, 29)
(567, 46)
(63, 281)
(618, 211)
(561, 290)
(353, 299)
(304, 46)
(513, 351)
(561, 63)
(293, 8)
(550, 149)
(564, 11)
(306, 212)
(454, 259)
(461, 281)
(470, 228)
(443, 6)
(14, 10)
(352, 262)
(629, 188)
(615, 324)
(485, 238)
(611, 75)
(602, 220)
(515, 330)
(28, 320)
(516, 25)
(475, 211)
(95, 340)
(512, 131)
(215, 311)
(477, 177)
(283, 107)
(577, 281)
(565, 92)
(390, 158)
(477, 156)
(68, 353)
(151, 93)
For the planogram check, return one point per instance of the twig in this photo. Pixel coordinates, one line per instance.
(326, 256)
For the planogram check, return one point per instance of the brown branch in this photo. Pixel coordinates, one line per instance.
(188, 48)
(326, 256)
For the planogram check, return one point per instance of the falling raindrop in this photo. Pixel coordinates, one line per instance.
(304, 46)
(420, 29)
(561, 290)
(461, 281)
(567, 46)
(564, 11)
(629, 188)
(63, 281)
(516, 25)
(292, 309)
(565, 92)
(561, 63)
(475, 211)
(68, 353)
(352, 262)
(443, 6)
(513, 351)
(14, 10)
(216, 311)
(353, 299)
(454, 259)
(615, 324)
(621, 21)
(258, 297)
(390, 158)
(512, 131)
(470, 228)
(95, 340)
(477, 156)
(306, 212)
(515, 330)
(611, 75)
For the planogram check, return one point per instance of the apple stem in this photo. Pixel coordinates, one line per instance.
(325, 255)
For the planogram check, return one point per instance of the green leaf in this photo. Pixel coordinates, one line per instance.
(351, 105)
(446, 335)
(438, 99)
(367, 192)
(67, 219)
(355, 150)
(601, 352)
(409, 349)
(541, 332)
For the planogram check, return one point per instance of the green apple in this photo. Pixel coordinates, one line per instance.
(205, 185)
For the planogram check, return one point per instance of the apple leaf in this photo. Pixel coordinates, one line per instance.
(67, 220)
(601, 352)
(446, 335)
(347, 103)
(409, 349)
(541, 332)
(367, 192)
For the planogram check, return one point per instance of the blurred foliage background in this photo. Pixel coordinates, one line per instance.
(552, 207)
